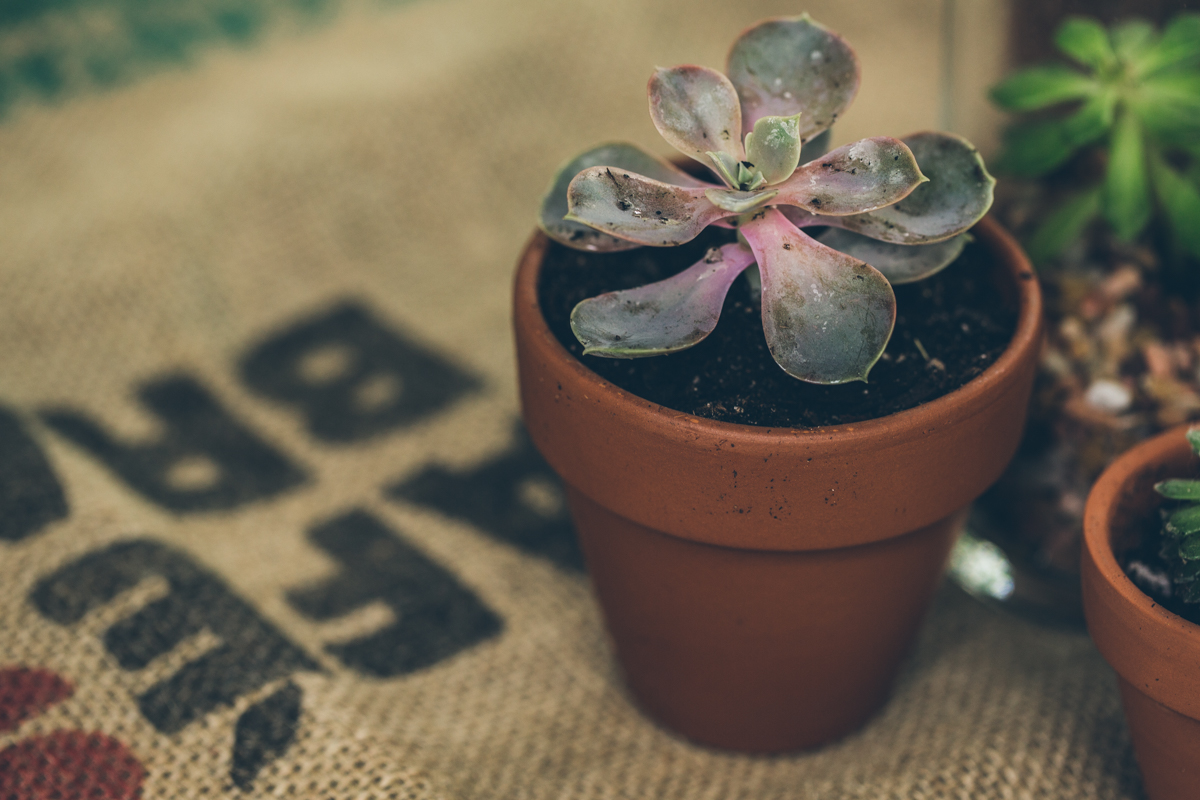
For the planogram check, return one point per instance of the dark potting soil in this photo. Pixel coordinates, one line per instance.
(1148, 568)
(956, 317)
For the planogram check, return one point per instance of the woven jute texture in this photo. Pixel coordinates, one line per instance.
(268, 523)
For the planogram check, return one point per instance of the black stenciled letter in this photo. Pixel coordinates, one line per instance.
(251, 654)
(515, 497)
(235, 466)
(30, 494)
(352, 377)
(264, 732)
(436, 616)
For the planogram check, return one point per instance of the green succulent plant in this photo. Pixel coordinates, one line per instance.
(1181, 533)
(1138, 99)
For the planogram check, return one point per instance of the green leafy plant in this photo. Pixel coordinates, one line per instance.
(1181, 532)
(761, 134)
(1138, 100)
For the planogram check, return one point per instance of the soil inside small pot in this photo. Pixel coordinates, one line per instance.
(1145, 564)
(949, 328)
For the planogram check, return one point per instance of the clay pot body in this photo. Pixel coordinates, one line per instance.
(761, 586)
(1155, 653)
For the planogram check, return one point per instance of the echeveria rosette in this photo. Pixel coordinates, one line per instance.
(828, 307)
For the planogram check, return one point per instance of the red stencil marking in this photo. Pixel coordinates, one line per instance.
(25, 693)
(70, 764)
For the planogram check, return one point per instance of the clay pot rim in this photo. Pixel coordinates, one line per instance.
(962, 403)
(1133, 632)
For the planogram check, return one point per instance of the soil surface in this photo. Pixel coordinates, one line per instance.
(957, 318)
(1150, 572)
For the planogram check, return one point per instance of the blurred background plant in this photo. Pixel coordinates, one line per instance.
(1100, 178)
(1135, 110)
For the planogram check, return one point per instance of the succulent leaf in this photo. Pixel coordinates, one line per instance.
(619, 155)
(782, 67)
(854, 178)
(739, 202)
(1064, 225)
(1181, 200)
(1168, 105)
(661, 317)
(1189, 548)
(1179, 44)
(1179, 489)
(1184, 522)
(1133, 39)
(899, 263)
(815, 147)
(1193, 437)
(1035, 148)
(774, 147)
(827, 316)
(1085, 40)
(1126, 184)
(1038, 87)
(639, 209)
(696, 110)
(958, 194)
(726, 166)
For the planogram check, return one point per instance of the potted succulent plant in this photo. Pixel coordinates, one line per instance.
(762, 582)
(1141, 596)
(1101, 177)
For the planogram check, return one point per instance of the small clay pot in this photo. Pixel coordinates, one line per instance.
(1155, 653)
(761, 585)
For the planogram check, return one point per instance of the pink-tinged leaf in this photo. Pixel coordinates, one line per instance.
(660, 317)
(620, 155)
(827, 316)
(696, 109)
(858, 177)
(899, 263)
(782, 67)
(958, 194)
(639, 209)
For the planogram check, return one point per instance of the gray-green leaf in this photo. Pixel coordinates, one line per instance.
(958, 194)
(774, 147)
(696, 110)
(634, 207)
(899, 263)
(783, 67)
(618, 154)
(857, 177)
(827, 317)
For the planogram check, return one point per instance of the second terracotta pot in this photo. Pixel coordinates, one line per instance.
(1155, 653)
(761, 586)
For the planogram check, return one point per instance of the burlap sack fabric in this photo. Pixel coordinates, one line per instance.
(268, 525)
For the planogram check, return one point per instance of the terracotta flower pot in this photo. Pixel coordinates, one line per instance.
(761, 585)
(1155, 653)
